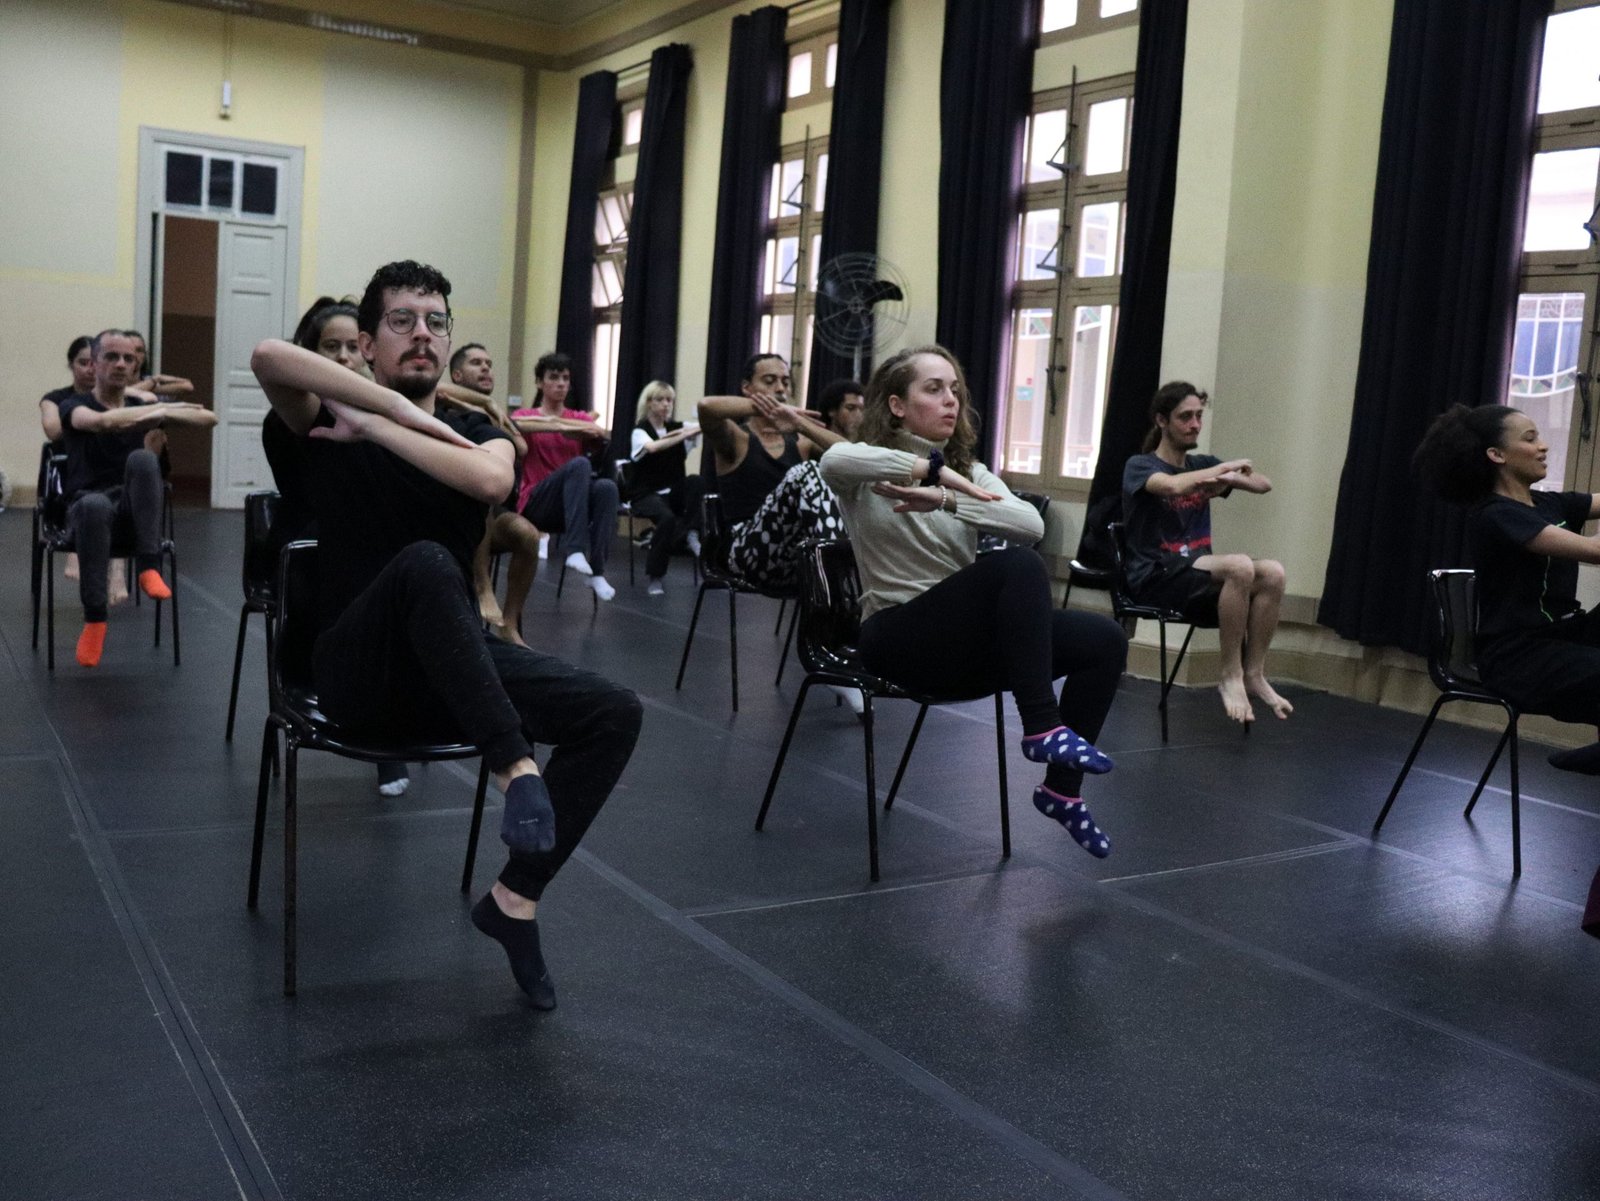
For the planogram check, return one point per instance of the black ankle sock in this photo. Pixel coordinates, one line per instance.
(529, 822)
(521, 942)
(1584, 760)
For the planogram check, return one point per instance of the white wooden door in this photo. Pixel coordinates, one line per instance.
(252, 264)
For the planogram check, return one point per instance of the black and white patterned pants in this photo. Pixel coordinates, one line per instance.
(766, 549)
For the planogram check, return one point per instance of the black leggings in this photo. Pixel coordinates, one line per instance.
(673, 515)
(991, 627)
(408, 661)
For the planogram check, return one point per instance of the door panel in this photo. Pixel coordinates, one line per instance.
(251, 279)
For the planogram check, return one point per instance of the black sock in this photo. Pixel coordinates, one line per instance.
(1584, 759)
(528, 824)
(521, 942)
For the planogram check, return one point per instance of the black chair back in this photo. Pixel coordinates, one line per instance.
(1121, 599)
(261, 511)
(1454, 661)
(296, 623)
(713, 540)
(52, 489)
(625, 471)
(830, 614)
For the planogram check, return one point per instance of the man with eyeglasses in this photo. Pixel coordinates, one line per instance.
(401, 491)
(1166, 504)
(112, 481)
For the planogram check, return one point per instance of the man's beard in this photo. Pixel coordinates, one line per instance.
(415, 387)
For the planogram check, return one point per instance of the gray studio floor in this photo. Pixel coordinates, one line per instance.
(1249, 999)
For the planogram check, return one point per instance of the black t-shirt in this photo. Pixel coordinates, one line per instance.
(1520, 591)
(371, 504)
(98, 460)
(57, 395)
(1159, 526)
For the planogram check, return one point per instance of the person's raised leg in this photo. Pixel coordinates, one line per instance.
(1237, 574)
(602, 532)
(90, 519)
(1266, 599)
(517, 535)
(574, 545)
(482, 585)
(141, 500)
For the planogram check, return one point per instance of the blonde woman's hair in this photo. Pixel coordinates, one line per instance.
(894, 377)
(654, 388)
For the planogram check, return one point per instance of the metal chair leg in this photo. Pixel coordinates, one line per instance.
(905, 757)
(238, 666)
(1516, 803)
(1488, 771)
(268, 736)
(1406, 767)
(688, 641)
(290, 781)
(1005, 795)
(50, 615)
(733, 643)
(777, 626)
(477, 823)
(794, 620)
(872, 788)
(177, 657)
(1162, 704)
(783, 752)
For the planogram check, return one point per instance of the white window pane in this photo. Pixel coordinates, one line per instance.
(1093, 327)
(800, 74)
(1106, 147)
(1544, 370)
(791, 182)
(1100, 239)
(1568, 78)
(1040, 230)
(605, 370)
(1047, 132)
(777, 334)
(802, 377)
(821, 190)
(1115, 8)
(816, 259)
(769, 273)
(632, 126)
(831, 71)
(775, 192)
(602, 231)
(766, 332)
(1059, 14)
(611, 281)
(616, 224)
(1029, 394)
(597, 290)
(1560, 199)
(788, 257)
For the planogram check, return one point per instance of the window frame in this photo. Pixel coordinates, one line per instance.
(609, 316)
(814, 38)
(805, 225)
(1064, 293)
(1086, 26)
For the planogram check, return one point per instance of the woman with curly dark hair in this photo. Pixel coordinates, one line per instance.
(1536, 645)
(941, 620)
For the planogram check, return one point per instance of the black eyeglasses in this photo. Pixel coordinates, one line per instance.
(403, 321)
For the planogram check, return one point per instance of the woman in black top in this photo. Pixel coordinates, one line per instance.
(661, 490)
(1537, 646)
(80, 359)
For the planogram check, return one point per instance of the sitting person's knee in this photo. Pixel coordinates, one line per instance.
(1269, 574)
(93, 506)
(427, 559)
(1234, 569)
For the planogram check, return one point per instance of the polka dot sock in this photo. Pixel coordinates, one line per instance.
(1075, 817)
(1062, 746)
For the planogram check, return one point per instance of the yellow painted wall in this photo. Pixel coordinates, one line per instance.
(408, 153)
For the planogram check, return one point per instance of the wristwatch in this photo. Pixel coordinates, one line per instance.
(935, 466)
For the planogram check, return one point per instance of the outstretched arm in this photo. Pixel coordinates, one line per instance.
(483, 472)
(719, 420)
(1565, 544)
(1205, 479)
(466, 398)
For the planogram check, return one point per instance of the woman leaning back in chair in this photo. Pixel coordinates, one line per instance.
(1536, 645)
(940, 620)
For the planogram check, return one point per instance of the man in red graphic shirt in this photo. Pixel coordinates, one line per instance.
(1166, 504)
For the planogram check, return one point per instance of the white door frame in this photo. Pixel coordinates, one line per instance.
(153, 144)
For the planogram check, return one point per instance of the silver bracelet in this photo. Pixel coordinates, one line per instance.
(944, 498)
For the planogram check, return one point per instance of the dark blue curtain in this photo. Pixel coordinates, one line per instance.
(985, 94)
(855, 162)
(591, 149)
(1152, 186)
(648, 346)
(1442, 270)
(752, 117)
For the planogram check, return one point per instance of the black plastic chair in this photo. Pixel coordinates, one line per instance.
(51, 454)
(830, 623)
(1454, 667)
(1127, 609)
(260, 581)
(716, 574)
(54, 538)
(294, 710)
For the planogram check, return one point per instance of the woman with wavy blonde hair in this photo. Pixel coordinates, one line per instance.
(939, 619)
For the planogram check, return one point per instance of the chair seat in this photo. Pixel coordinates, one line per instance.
(1091, 577)
(321, 731)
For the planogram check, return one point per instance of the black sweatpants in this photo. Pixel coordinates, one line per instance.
(672, 514)
(129, 513)
(408, 661)
(991, 627)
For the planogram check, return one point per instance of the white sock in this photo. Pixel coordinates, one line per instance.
(602, 588)
(579, 562)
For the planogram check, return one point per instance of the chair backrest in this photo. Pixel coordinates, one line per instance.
(623, 470)
(296, 620)
(1117, 536)
(989, 543)
(1454, 661)
(51, 497)
(713, 539)
(830, 607)
(261, 511)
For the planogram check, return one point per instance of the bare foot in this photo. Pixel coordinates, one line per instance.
(506, 632)
(72, 565)
(489, 608)
(117, 584)
(1235, 700)
(1267, 695)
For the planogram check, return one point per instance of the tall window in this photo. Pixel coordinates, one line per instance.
(1553, 361)
(611, 219)
(1067, 275)
(1062, 19)
(794, 244)
(813, 64)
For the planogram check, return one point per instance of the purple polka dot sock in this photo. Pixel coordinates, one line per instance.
(1062, 746)
(1075, 817)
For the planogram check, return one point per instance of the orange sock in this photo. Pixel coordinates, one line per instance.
(91, 643)
(153, 586)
